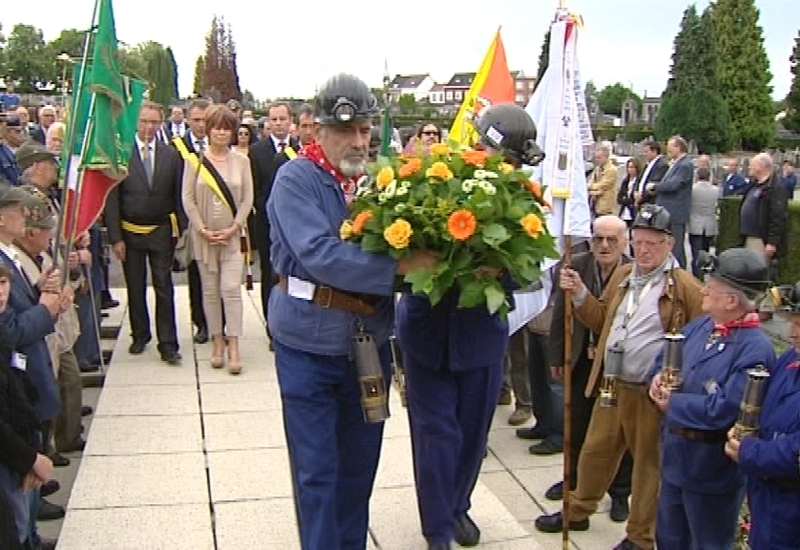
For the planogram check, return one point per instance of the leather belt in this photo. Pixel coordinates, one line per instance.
(329, 297)
(708, 436)
(790, 484)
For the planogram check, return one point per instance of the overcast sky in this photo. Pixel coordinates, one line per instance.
(287, 49)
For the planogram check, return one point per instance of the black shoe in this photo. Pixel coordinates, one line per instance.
(171, 357)
(49, 487)
(58, 460)
(76, 446)
(86, 410)
(439, 546)
(465, 532)
(90, 368)
(545, 448)
(626, 544)
(47, 544)
(201, 337)
(530, 433)
(555, 492)
(109, 304)
(554, 523)
(505, 398)
(619, 509)
(49, 511)
(137, 347)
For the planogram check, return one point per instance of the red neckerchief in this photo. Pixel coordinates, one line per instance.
(314, 153)
(793, 365)
(750, 320)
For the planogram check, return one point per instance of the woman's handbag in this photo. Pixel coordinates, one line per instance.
(183, 249)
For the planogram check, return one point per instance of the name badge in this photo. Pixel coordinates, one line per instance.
(19, 361)
(298, 288)
(711, 386)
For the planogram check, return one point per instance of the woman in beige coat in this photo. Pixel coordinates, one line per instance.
(217, 198)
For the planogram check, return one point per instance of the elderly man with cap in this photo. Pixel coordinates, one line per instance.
(642, 302)
(9, 170)
(701, 488)
(770, 459)
(332, 299)
(15, 134)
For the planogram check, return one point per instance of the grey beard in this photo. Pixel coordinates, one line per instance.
(352, 169)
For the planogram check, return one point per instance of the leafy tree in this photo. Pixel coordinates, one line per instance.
(2, 51)
(133, 63)
(792, 103)
(174, 68)
(248, 100)
(220, 77)
(26, 54)
(744, 74)
(544, 58)
(682, 71)
(407, 103)
(590, 94)
(611, 98)
(70, 42)
(199, 69)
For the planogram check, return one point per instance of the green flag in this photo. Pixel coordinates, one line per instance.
(386, 133)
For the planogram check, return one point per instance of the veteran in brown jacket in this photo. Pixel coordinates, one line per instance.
(640, 304)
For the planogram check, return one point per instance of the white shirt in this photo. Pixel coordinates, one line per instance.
(196, 141)
(179, 129)
(647, 171)
(277, 142)
(11, 251)
(151, 150)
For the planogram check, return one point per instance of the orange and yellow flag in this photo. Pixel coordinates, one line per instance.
(492, 84)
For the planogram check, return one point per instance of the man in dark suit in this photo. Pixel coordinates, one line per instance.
(609, 241)
(264, 161)
(653, 172)
(192, 143)
(139, 216)
(674, 193)
(46, 117)
(735, 183)
(176, 125)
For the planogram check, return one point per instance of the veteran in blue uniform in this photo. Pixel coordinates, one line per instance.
(701, 488)
(453, 359)
(771, 461)
(328, 290)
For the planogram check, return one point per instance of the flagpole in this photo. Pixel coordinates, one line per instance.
(76, 95)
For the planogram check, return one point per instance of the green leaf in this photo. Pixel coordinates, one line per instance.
(421, 280)
(374, 243)
(457, 164)
(495, 234)
(472, 294)
(495, 297)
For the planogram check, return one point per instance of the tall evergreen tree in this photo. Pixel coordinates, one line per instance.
(220, 80)
(792, 120)
(199, 70)
(174, 69)
(744, 74)
(544, 58)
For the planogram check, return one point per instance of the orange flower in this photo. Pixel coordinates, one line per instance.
(398, 234)
(410, 168)
(532, 225)
(384, 177)
(475, 158)
(534, 188)
(461, 225)
(439, 170)
(440, 149)
(361, 220)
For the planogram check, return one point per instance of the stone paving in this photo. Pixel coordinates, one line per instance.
(193, 458)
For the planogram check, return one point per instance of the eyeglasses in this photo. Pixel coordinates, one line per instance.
(648, 244)
(610, 239)
(431, 133)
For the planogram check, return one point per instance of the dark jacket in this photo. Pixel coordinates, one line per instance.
(772, 222)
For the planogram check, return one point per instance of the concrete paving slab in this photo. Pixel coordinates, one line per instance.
(147, 401)
(132, 435)
(395, 468)
(252, 373)
(249, 474)
(179, 527)
(226, 398)
(397, 424)
(257, 524)
(244, 430)
(151, 374)
(513, 452)
(141, 480)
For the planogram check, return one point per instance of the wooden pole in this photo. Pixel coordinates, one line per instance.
(567, 262)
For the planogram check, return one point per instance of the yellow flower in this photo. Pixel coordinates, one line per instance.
(506, 168)
(398, 234)
(532, 225)
(440, 149)
(385, 177)
(346, 230)
(439, 170)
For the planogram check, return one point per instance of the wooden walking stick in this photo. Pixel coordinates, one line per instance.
(567, 262)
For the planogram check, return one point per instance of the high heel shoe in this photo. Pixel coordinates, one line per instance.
(217, 361)
(234, 365)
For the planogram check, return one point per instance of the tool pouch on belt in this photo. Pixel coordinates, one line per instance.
(374, 397)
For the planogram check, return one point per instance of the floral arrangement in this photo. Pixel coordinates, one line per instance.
(484, 218)
(743, 530)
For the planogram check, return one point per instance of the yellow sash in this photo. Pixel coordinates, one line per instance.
(209, 180)
(289, 152)
(147, 229)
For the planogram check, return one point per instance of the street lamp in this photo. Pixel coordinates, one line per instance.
(65, 59)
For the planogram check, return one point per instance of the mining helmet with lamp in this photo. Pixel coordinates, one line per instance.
(344, 99)
(508, 128)
(739, 268)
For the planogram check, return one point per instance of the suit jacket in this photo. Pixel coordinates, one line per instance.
(167, 129)
(263, 162)
(658, 172)
(29, 323)
(772, 222)
(39, 134)
(603, 189)
(135, 201)
(703, 220)
(674, 192)
(681, 289)
(735, 184)
(625, 197)
(586, 266)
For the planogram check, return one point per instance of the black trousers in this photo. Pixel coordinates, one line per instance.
(196, 296)
(263, 244)
(581, 415)
(155, 249)
(698, 243)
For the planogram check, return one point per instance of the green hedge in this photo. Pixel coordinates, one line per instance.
(789, 265)
(787, 144)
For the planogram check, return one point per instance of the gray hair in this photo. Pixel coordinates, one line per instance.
(747, 303)
(305, 109)
(604, 147)
(765, 160)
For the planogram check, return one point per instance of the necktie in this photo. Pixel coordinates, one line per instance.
(282, 146)
(147, 161)
(200, 145)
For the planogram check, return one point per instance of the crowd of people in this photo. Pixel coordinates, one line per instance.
(216, 188)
